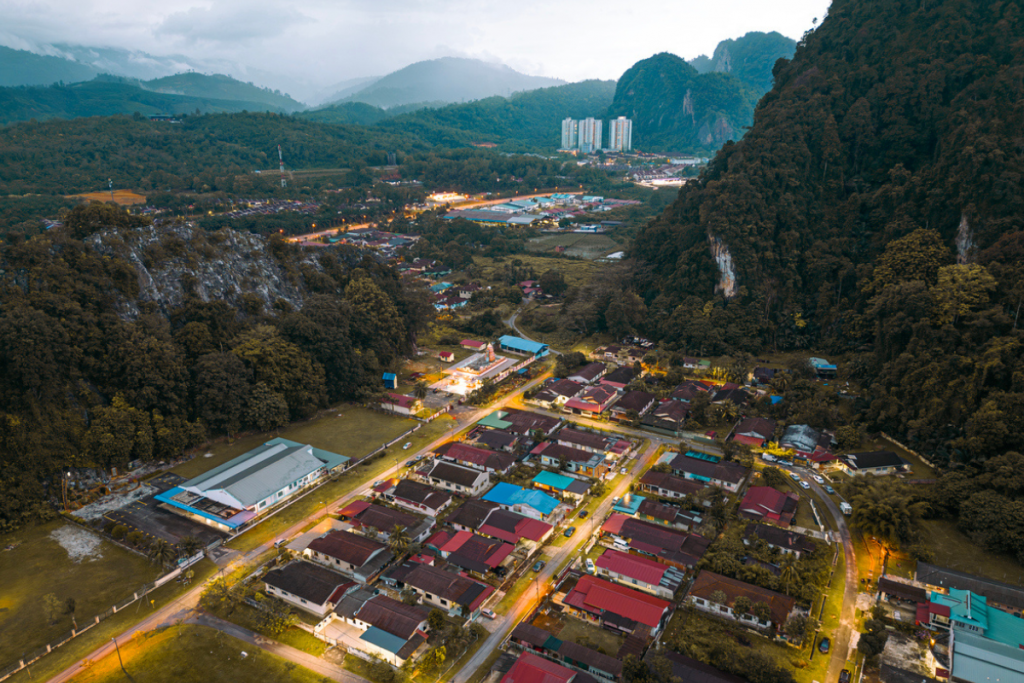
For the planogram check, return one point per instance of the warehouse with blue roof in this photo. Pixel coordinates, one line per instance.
(522, 347)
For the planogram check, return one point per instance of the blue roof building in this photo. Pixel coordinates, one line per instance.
(390, 380)
(628, 504)
(565, 486)
(528, 502)
(523, 347)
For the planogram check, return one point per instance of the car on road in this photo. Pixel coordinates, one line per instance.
(407, 445)
(829, 489)
(570, 531)
(794, 476)
(583, 514)
(538, 565)
(489, 613)
(622, 470)
(824, 645)
(590, 566)
(844, 676)
(804, 484)
(768, 457)
(817, 478)
(410, 463)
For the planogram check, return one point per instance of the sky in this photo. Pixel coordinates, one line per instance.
(325, 42)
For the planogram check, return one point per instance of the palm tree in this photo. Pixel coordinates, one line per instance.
(419, 390)
(399, 541)
(728, 410)
(161, 552)
(190, 545)
(788, 573)
(882, 509)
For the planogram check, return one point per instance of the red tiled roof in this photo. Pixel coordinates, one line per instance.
(754, 441)
(455, 542)
(597, 596)
(531, 668)
(472, 343)
(632, 566)
(765, 501)
(354, 508)
(400, 400)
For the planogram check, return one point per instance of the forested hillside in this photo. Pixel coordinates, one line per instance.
(749, 58)
(873, 209)
(118, 342)
(675, 108)
(220, 87)
(20, 67)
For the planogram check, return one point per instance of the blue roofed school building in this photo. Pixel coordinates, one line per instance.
(527, 502)
(233, 495)
(522, 347)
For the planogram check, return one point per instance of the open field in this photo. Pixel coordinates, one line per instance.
(575, 272)
(349, 481)
(578, 245)
(122, 197)
(194, 654)
(116, 624)
(954, 550)
(347, 430)
(63, 559)
(580, 632)
(246, 616)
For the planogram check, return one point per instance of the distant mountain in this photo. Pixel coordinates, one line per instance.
(20, 67)
(340, 91)
(130, 63)
(675, 108)
(750, 58)
(106, 96)
(449, 79)
(221, 87)
(348, 113)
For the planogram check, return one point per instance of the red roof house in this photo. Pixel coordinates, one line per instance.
(763, 503)
(616, 606)
(531, 668)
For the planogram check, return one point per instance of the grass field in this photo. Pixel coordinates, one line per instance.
(194, 654)
(40, 565)
(346, 430)
(246, 616)
(122, 197)
(80, 647)
(577, 245)
(954, 550)
(575, 272)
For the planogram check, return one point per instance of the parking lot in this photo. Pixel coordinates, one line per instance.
(146, 515)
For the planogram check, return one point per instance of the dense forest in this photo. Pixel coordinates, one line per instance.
(96, 372)
(874, 210)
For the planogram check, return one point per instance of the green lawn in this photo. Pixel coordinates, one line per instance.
(346, 430)
(954, 550)
(246, 616)
(40, 565)
(575, 272)
(579, 245)
(189, 653)
(345, 483)
(78, 648)
(582, 633)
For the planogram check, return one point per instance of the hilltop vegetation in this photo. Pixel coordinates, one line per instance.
(20, 67)
(872, 209)
(220, 87)
(749, 58)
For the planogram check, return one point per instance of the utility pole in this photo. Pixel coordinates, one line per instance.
(110, 185)
(120, 661)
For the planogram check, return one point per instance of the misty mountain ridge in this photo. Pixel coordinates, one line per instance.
(749, 58)
(448, 79)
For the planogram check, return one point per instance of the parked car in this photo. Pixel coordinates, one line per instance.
(583, 514)
(844, 676)
(622, 470)
(407, 445)
(817, 478)
(824, 645)
(768, 457)
(410, 463)
(489, 613)
(590, 566)
(794, 476)
(829, 489)
(804, 484)
(570, 531)
(538, 565)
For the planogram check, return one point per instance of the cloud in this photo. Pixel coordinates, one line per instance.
(230, 23)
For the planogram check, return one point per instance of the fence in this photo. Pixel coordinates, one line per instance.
(145, 590)
(923, 459)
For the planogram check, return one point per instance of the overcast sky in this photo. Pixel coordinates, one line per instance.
(327, 41)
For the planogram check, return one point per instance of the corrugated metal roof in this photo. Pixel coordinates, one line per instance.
(382, 639)
(260, 473)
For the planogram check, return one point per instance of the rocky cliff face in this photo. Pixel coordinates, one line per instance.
(173, 260)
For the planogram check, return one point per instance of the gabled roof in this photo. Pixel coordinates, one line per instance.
(392, 616)
(691, 670)
(561, 388)
(456, 474)
(531, 668)
(761, 426)
(385, 519)
(780, 538)
(707, 583)
(557, 451)
(764, 501)
(520, 344)
(589, 372)
(417, 492)
(804, 438)
(632, 566)
(729, 472)
(480, 457)
(472, 513)
(598, 596)
(401, 400)
(513, 527)
(580, 438)
(509, 494)
(737, 396)
(348, 547)
(863, 461)
(670, 482)
(996, 591)
(447, 585)
(634, 400)
(477, 553)
(308, 581)
(495, 438)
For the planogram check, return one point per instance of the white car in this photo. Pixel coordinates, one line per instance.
(622, 470)
(489, 613)
(590, 566)
(804, 484)
(407, 445)
(794, 476)
(818, 479)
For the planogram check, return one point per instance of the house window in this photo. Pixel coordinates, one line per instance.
(444, 602)
(303, 601)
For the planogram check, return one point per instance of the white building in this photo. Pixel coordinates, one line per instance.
(620, 134)
(590, 135)
(570, 134)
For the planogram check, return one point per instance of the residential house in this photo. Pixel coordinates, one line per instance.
(638, 402)
(589, 373)
(667, 546)
(476, 458)
(805, 441)
(708, 584)
(615, 607)
(668, 416)
(357, 556)
(667, 515)
(379, 521)
(308, 586)
(667, 485)
(495, 439)
(556, 392)
(575, 460)
(639, 572)
(418, 497)
(403, 405)
(528, 502)
(471, 515)
(592, 401)
(565, 487)
(584, 441)
(378, 625)
(521, 422)
(763, 376)
(755, 432)
(763, 503)
(998, 594)
(689, 390)
(477, 554)
(788, 542)
(446, 356)
(699, 467)
(619, 377)
(536, 640)
(455, 594)
(531, 668)
(490, 519)
(735, 394)
(465, 481)
(877, 463)
(473, 345)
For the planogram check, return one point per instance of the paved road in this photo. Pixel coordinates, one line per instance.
(315, 664)
(504, 624)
